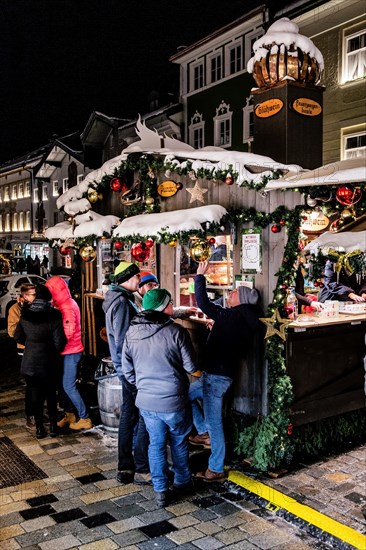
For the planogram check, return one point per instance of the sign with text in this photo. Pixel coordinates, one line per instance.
(306, 107)
(167, 188)
(268, 108)
(251, 260)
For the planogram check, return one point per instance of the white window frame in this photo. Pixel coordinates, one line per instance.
(249, 39)
(7, 223)
(1, 223)
(14, 192)
(200, 79)
(28, 220)
(65, 185)
(218, 71)
(1, 195)
(223, 117)
(15, 221)
(233, 46)
(45, 192)
(197, 125)
(20, 190)
(55, 188)
(27, 189)
(80, 178)
(248, 113)
(35, 195)
(21, 221)
(6, 193)
(359, 55)
(355, 152)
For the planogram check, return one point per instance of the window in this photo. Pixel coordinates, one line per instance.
(21, 190)
(354, 145)
(28, 220)
(197, 76)
(35, 195)
(215, 67)
(55, 188)
(354, 56)
(27, 189)
(15, 221)
(250, 38)
(234, 57)
(1, 223)
(14, 192)
(80, 178)
(65, 185)
(45, 192)
(222, 125)
(196, 131)
(7, 222)
(6, 194)
(248, 120)
(21, 221)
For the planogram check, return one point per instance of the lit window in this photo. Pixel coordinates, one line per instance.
(197, 76)
(248, 121)
(45, 192)
(27, 220)
(21, 221)
(20, 190)
(7, 222)
(15, 221)
(27, 189)
(35, 195)
(196, 131)
(215, 68)
(55, 188)
(65, 185)
(6, 194)
(1, 223)
(354, 146)
(222, 124)
(354, 56)
(14, 192)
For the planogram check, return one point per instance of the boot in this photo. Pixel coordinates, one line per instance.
(66, 420)
(81, 424)
(40, 431)
(54, 429)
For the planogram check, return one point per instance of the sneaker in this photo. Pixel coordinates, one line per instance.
(163, 498)
(142, 479)
(210, 476)
(81, 424)
(30, 423)
(203, 440)
(66, 420)
(125, 477)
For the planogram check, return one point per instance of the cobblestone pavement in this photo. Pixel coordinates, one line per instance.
(79, 503)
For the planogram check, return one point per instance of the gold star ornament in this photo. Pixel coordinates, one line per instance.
(197, 193)
(270, 324)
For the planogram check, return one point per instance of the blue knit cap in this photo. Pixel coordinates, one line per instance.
(147, 277)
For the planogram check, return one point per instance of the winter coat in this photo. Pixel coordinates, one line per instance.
(232, 334)
(13, 319)
(157, 353)
(339, 289)
(70, 311)
(119, 309)
(40, 329)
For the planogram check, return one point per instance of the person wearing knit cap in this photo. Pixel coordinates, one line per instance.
(157, 355)
(230, 338)
(120, 308)
(148, 281)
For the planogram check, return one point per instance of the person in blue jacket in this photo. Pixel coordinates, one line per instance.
(119, 307)
(230, 338)
(343, 287)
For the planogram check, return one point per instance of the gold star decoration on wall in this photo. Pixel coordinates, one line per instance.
(270, 324)
(196, 193)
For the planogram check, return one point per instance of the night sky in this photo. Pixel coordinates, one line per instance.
(62, 59)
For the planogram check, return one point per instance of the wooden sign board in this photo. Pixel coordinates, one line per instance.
(306, 107)
(268, 108)
(167, 188)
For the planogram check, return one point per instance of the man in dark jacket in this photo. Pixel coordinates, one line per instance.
(119, 307)
(157, 354)
(228, 342)
(343, 287)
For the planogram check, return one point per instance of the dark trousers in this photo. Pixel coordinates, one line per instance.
(41, 389)
(129, 418)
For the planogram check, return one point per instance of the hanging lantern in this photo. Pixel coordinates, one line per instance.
(92, 195)
(64, 250)
(347, 195)
(117, 185)
(229, 180)
(118, 245)
(149, 243)
(200, 250)
(87, 253)
(276, 228)
(149, 201)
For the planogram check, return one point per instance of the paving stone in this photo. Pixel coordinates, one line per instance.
(130, 510)
(159, 543)
(269, 539)
(125, 525)
(180, 522)
(185, 535)
(37, 523)
(204, 515)
(91, 478)
(44, 499)
(68, 515)
(243, 545)
(356, 498)
(209, 543)
(31, 513)
(48, 534)
(159, 514)
(98, 519)
(91, 535)
(105, 544)
(231, 535)
(12, 544)
(62, 543)
(209, 528)
(224, 509)
(10, 532)
(130, 537)
(130, 499)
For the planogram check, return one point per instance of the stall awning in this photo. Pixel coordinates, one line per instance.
(348, 240)
(335, 173)
(171, 222)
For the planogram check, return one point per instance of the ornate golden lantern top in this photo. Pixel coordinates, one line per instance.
(284, 54)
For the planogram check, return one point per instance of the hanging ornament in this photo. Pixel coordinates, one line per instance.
(316, 284)
(179, 185)
(70, 219)
(311, 202)
(140, 252)
(196, 193)
(92, 195)
(229, 180)
(348, 196)
(336, 225)
(200, 250)
(87, 253)
(64, 250)
(149, 201)
(149, 243)
(282, 222)
(117, 185)
(173, 244)
(276, 228)
(212, 240)
(168, 173)
(348, 214)
(118, 245)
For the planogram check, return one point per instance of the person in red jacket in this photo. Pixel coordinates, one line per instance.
(72, 353)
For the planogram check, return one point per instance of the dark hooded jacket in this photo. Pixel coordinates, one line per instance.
(339, 288)
(40, 329)
(232, 334)
(157, 353)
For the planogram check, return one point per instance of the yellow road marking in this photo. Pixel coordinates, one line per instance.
(280, 500)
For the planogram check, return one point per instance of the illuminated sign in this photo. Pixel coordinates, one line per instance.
(167, 188)
(306, 107)
(268, 108)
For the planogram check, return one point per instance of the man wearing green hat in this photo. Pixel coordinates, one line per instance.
(156, 357)
(120, 308)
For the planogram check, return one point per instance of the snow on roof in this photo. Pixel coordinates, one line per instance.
(172, 222)
(284, 32)
(349, 241)
(85, 225)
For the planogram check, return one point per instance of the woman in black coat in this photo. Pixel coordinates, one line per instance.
(40, 329)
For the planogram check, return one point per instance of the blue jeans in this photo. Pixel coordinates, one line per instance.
(214, 388)
(174, 426)
(71, 363)
(132, 452)
(195, 395)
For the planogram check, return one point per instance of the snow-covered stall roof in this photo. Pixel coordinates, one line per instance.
(348, 240)
(335, 173)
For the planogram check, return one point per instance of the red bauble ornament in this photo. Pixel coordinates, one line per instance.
(276, 228)
(321, 285)
(348, 195)
(316, 283)
(64, 250)
(229, 180)
(212, 240)
(118, 245)
(282, 222)
(140, 252)
(117, 185)
(284, 286)
(149, 243)
(289, 429)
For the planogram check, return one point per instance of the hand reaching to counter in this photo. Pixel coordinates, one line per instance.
(355, 297)
(202, 268)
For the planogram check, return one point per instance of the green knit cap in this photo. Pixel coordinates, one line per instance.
(123, 272)
(156, 299)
